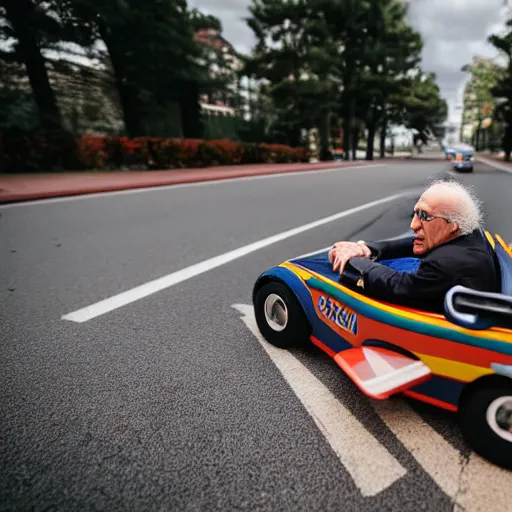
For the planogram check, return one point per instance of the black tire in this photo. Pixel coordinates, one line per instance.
(295, 329)
(479, 432)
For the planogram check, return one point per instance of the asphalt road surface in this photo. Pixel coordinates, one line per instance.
(133, 377)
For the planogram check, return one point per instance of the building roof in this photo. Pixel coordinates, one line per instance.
(213, 39)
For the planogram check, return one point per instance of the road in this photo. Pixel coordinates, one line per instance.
(164, 397)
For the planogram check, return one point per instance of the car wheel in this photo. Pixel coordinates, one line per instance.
(280, 317)
(486, 422)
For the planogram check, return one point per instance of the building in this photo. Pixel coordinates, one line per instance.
(224, 65)
(86, 96)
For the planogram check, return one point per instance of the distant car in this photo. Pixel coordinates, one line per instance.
(462, 157)
(460, 361)
(464, 160)
(450, 153)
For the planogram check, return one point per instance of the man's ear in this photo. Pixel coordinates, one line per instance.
(455, 228)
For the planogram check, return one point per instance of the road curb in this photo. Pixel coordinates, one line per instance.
(216, 175)
(493, 163)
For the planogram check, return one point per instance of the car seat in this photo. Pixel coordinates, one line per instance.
(502, 255)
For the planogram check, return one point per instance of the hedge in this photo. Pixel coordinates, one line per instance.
(22, 152)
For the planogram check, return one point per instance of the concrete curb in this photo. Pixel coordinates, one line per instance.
(497, 165)
(106, 183)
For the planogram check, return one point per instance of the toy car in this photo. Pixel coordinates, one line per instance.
(460, 361)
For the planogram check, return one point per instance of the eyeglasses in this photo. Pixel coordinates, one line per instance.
(423, 216)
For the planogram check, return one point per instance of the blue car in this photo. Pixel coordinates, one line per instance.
(462, 158)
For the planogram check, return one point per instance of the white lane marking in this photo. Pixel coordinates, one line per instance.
(139, 292)
(483, 487)
(472, 483)
(312, 253)
(432, 452)
(497, 165)
(370, 465)
(92, 195)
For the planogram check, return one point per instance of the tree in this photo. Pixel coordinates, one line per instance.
(154, 59)
(201, 21)
(28, 23)
(503, 89)
(295, 58)
(350, 24)
(395, 52)
(478, 99)
(330, 61)
(425, 109)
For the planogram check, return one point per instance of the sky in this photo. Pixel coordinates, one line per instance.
(453, 32)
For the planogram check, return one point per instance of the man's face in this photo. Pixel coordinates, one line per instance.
(430, 233)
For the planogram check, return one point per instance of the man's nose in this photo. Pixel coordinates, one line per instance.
(415, 223)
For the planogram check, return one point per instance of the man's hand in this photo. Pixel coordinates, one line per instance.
(343, 251)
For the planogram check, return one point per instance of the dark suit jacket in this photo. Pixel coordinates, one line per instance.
(466, 261)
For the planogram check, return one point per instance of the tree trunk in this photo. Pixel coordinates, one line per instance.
(191, 122)
(349, 106)
(507, 141)
(128, 94)
(347, 130)
(355, 142)
(19, 14)
(370, 140)
(478, 135)
(383, 131)
(323, 129)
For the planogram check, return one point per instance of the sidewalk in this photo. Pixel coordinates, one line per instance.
(495, 160)
(25, 187)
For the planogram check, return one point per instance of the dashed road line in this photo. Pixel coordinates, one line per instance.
(151, 287)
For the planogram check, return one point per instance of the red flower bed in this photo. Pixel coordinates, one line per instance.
(21, 152)
(91, 153)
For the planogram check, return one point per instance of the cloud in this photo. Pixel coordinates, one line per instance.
(453, 32)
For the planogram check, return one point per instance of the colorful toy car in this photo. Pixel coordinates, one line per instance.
(460, 361)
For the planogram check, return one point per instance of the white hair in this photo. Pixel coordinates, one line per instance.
(462, 206)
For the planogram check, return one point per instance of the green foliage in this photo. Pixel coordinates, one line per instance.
(502, 91)
(424, 106)
(319, 64)
(297, 66)
(150, 47)
(201, 21)
(331, 61)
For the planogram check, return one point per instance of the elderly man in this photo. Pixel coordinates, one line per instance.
(448, 242)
